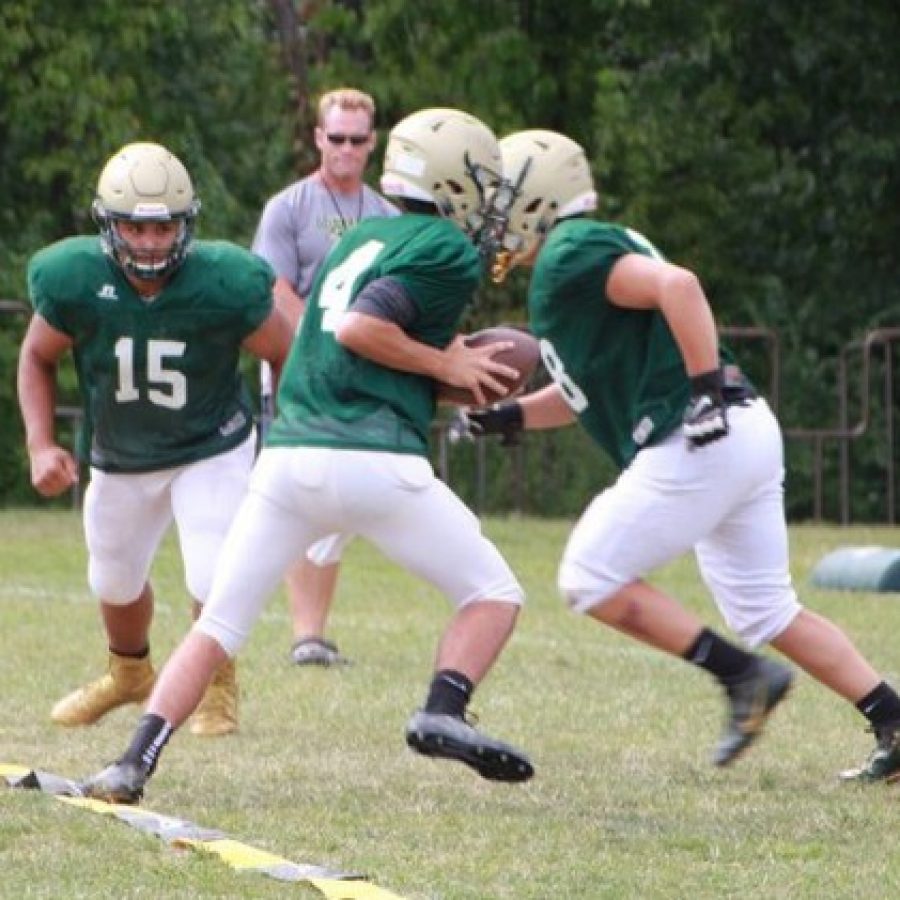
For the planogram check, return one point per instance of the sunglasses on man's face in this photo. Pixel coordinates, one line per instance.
(356, 139)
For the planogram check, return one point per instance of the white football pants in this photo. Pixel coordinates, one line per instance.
(126, 515)
(725, 501)
(299, 495)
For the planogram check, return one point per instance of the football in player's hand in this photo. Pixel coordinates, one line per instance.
(523, 356)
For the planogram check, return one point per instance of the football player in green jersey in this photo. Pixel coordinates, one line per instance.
(155, 322)
(347, 452)
(630, 342)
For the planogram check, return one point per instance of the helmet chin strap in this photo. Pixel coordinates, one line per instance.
(503, 263)
(158, 265)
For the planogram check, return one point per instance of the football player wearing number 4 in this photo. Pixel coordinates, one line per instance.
(297, 229)
(631, 344)
(347, 452)
(156, 322)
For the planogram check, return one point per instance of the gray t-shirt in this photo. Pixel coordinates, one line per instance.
(300, 224)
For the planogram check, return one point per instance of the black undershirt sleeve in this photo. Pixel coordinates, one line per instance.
(386, 298)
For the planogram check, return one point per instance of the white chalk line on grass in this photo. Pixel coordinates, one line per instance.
(11, 590)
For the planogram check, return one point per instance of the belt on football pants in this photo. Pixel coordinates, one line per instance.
(736, 387)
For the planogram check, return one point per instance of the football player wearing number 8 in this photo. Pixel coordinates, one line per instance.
(155, 322)
(631, 344)
(347, 452)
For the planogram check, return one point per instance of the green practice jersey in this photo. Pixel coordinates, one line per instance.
(160, 378)
(331, 397)
(620, 369)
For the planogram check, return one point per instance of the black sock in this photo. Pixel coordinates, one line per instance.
(881, 706)
(449, 693)
(150, 736)
(720, 658)
(141, 654)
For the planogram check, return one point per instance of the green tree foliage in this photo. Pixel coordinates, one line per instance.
(757, 142)
(80, 80)
(754, 142)
(83, 79)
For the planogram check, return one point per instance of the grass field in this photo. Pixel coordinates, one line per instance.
(624, 802)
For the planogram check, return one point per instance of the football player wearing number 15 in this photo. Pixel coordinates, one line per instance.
(347, 452)
(631, 344)
(155, 322)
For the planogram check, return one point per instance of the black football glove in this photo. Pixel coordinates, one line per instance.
(505, 419)
(705, 418)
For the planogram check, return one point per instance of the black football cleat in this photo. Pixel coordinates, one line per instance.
(313, 651)
(750, 703)
(883, 763)
(451, 737)
(121, 782)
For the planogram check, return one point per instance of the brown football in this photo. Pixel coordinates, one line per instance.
(523, 356)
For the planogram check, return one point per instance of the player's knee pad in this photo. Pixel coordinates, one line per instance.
(199, 584)
(582, 591)
(580, 600)
(116, 583)
(328, 550)
(510, 595)
(763, 628)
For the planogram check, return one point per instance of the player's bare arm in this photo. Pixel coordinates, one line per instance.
(271, 342)
(53, 469)
(389, 345)
(288, 301)
(642, 282)
(545, 409)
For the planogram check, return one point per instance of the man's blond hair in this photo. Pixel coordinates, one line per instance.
(349, 99)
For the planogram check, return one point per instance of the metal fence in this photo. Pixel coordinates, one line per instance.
(856, 368)
(859, 356)
(857, 359)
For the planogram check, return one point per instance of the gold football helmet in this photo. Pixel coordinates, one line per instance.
(546, 176)
(144, 182)
(445, 157)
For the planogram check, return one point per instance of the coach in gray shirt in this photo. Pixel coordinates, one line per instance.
(300, 224)
(298, 228)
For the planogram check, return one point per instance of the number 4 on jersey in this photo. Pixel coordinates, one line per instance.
(334, 298)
